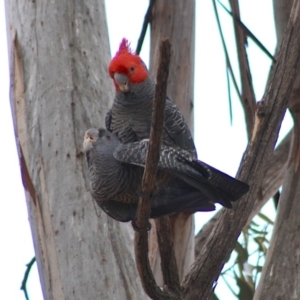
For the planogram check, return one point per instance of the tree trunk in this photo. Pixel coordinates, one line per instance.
(60, 87)
(176, 20)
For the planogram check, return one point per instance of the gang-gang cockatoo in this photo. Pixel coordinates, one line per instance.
(131, 113)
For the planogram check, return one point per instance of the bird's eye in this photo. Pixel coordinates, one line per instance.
(108, 137)
(131, 68)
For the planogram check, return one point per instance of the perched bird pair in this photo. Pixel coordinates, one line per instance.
(116, 156)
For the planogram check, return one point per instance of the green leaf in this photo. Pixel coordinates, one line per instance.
(257, 231)
(265, 218)
(228, 63)
(254, 223)
(229, 95)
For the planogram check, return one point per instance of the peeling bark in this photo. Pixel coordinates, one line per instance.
(59, 54)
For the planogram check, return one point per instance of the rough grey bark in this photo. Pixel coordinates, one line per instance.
(59, 88)
(176, 20)
(280, 276)
(282, 10)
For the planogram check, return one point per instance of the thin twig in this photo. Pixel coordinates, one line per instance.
(247, 92)
(25, 278)
(248, 32)
(149, 177)
(229, 95)
(228, 62)
(147, 20)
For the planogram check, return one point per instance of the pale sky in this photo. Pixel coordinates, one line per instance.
(218, 143)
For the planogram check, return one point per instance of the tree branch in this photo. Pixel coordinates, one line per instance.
(175, 19)
(247, 93)
(227, 58)
(269, 115)
(167, 254)
(271, 183)
(149, 178)
(25, 278)
(147, 20)
(281, 259)
(248, 32)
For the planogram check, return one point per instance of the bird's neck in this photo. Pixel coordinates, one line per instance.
(140, 94)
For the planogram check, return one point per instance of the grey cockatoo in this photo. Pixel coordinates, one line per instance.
(130, 116)
(184, 184)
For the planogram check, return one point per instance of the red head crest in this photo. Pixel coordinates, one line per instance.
(128, 63)
(124, 47)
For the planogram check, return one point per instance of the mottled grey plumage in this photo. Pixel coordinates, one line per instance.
(130, 116)
(116, 170)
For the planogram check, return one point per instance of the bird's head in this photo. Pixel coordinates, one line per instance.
(91, 136)
(127, 68)
(101, 135)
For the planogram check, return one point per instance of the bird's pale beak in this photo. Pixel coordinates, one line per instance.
(87, 145)
(89, 138)
(122, 82)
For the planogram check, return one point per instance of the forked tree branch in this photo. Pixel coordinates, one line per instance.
(148, 182)
(270, 185)
(198, 284)
(278, 163)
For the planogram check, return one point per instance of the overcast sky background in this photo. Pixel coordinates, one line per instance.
(218, 143)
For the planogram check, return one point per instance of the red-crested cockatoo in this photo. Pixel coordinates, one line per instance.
(130, 116)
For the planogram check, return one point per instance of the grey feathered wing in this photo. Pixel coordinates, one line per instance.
(212, 184)
(177, 129)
